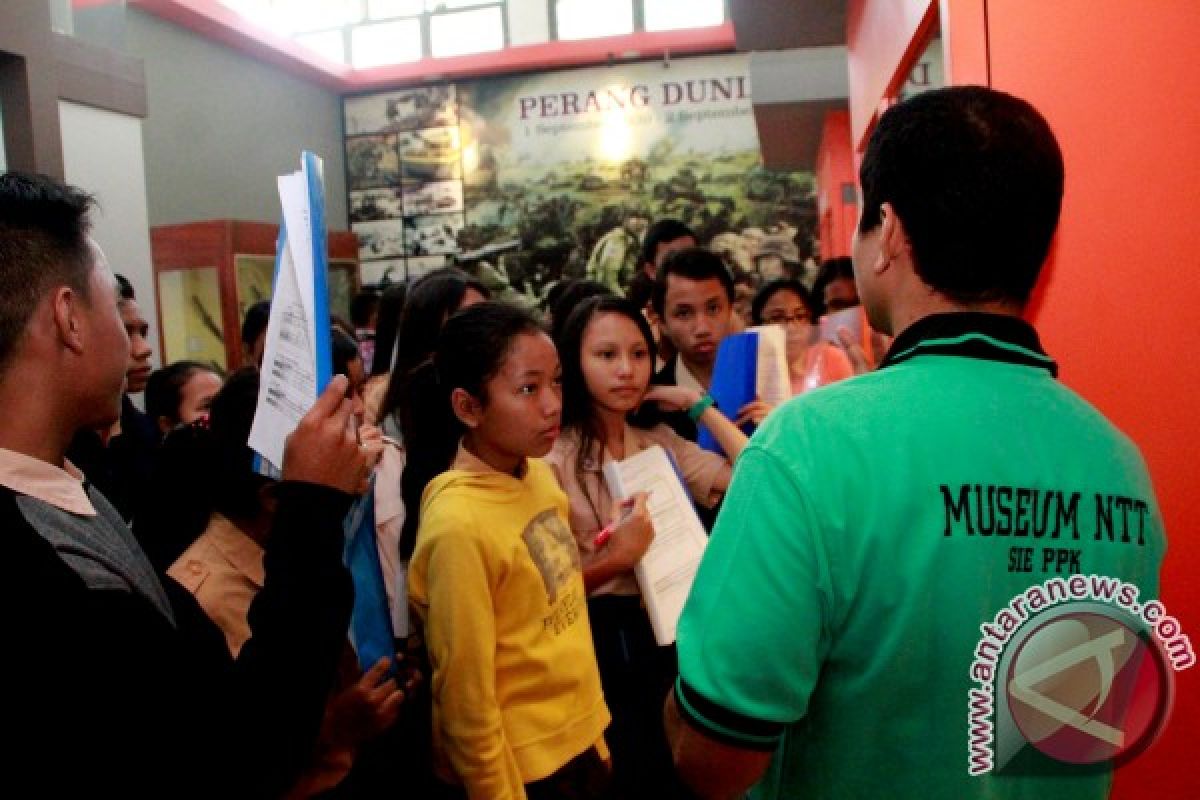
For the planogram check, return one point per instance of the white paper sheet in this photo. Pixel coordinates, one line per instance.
(288, 386)
(772, 378)
(666, 571)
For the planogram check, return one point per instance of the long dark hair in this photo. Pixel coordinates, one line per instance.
(164, 389)
(343, 350)
(201, 470)
(573, 293)
(470, 350)
(431, 301)
(578, 408)
(387, 327)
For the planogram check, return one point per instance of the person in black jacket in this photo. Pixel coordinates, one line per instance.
(119, 460)
(693, 297)
(99, 646)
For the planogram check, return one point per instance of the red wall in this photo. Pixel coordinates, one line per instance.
(835, 168)
(881, 34)
(1119, 82)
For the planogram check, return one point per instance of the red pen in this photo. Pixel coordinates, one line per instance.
(605, 533)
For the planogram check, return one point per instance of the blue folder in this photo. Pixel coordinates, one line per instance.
(370, 620)
(734, 381)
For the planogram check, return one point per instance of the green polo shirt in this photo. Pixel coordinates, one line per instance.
(870, 530)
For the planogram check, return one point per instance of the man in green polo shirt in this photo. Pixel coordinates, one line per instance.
(872, 526)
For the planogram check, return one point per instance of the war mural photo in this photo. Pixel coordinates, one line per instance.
(528, 180)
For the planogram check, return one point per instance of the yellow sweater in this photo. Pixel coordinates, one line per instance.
(496, 580)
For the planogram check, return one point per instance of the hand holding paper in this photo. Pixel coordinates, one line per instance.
(631, 533)
(750, 379)
(323, 448)
(297, 357)
(753, 412)
(666, 569)
(850, 330)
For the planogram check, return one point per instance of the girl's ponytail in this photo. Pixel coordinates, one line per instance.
(431, 434)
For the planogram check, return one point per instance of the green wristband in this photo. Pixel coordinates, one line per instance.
(696, 411)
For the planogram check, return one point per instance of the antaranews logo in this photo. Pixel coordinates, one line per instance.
(1076, 668)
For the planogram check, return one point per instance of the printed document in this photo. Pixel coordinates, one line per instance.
(666, 571)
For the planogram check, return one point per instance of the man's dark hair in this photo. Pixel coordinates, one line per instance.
(661, 232)
(695, 264)
(43, 243)
(362, 306)
(553, 293)
(255, 322)
(831, 269)
(976, 177)
(124, 288)
(640, 289)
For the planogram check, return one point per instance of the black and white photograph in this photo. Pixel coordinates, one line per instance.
(372, 162)
(407, 110)
(432, 235)
(382, 273)
(423, 265)
(429, 156)
(375, 204)
(441, 197)
(381, 239)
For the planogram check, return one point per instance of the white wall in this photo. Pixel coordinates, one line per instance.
(102, 154)
(221, 126)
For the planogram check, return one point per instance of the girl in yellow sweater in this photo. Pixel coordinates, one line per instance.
(495, 575)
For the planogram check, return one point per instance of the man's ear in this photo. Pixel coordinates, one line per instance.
(893, 238)
(66, 306)
(466, 407)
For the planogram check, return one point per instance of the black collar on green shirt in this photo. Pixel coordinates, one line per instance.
(994, 337)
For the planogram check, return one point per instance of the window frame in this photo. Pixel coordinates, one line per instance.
(639, 19)
(425, 18)
(427, 26)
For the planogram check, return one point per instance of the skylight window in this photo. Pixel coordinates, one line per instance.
(589, 19)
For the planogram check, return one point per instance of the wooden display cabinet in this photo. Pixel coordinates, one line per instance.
(206, 274)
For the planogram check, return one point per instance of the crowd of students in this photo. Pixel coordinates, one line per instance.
(476, 432)
(487, 499)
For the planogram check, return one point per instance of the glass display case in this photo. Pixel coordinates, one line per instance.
(207, 274)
